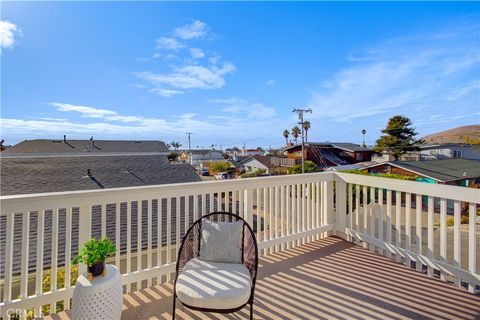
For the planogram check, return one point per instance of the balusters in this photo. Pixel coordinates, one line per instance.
(160, 233)
(149, 239)
(68, 252)
(117, 212)
(398, 223)
(418, 222)
(408, 226)
(24, 261)
(430, 236)
(169, 235)
(388, 220)
(457, 239)
(472, 243)
(443, 234)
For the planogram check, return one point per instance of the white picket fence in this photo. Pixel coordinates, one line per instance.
(42, 231)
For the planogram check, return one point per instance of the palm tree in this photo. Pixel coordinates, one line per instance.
(285, 135)
(363, 133)
(306, 126)
(295, 133)
(175, 145)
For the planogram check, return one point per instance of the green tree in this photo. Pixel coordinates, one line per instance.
(296, 133)
(398, 137)
(310, 166)
(220, 166)
(172, 156)
(285, 135)
(306, 126)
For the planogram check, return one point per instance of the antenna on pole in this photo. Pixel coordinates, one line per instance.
(189, 146)
(300, 113)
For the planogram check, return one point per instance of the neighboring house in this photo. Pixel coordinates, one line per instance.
(65, 146)
(37, 174)
(459, 172)
(196, 156)
(443, 151)
(257, 162)
(327, 154)
(252, 152)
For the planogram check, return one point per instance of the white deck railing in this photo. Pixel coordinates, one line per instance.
(42, 231)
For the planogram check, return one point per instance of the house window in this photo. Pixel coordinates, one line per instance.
(457, 153)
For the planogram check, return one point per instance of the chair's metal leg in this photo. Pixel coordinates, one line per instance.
(173, 311)
(251, 310)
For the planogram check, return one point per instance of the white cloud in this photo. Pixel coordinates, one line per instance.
(90, 112)
(405, 75)
(196, 29)
(8, 32)
(169, 44)
(190, 73)
(250, 110)
(270, 82)
(187, 78)
(83, 121)
(197, 53)
(166, 92)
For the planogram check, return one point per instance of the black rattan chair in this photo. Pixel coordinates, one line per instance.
(190, 249)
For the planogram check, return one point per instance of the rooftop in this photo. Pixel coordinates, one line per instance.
(22, 175)
(86, 146)
(347, 146)
(441, 170)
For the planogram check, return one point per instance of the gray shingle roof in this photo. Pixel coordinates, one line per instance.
(265, 160)
(69, 173)
(86, 146)
(443, 170)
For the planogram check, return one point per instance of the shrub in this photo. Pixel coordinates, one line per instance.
(450, 221)
(310, 166)
(172, 156)
(255, 173)
(382, 175)
(220, 166)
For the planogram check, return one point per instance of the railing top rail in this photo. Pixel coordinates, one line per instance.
(427, 189)
(17, 203)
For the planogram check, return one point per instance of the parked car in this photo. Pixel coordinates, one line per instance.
(203, 172)
(223, 176)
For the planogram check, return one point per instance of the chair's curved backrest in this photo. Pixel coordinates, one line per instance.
(190, 247)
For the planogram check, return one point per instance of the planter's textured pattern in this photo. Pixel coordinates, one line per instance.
(100, 298)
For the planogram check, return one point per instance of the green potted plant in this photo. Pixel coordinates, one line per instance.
(94, 254)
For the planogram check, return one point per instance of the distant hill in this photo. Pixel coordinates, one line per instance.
(455, 135)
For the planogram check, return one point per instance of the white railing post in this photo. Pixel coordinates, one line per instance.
(248, 205)
(340, 208)
(84, 231)
(328, 204)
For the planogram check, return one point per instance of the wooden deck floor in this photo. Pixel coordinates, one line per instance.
(326, 279)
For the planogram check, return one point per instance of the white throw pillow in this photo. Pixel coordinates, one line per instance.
(221, 241)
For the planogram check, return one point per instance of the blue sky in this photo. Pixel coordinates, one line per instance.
(232, 72)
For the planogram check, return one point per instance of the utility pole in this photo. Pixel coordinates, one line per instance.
(189, 146)
(300, 113)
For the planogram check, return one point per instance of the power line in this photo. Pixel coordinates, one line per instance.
(300, 113)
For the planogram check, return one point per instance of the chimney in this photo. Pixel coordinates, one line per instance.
(64, 138)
